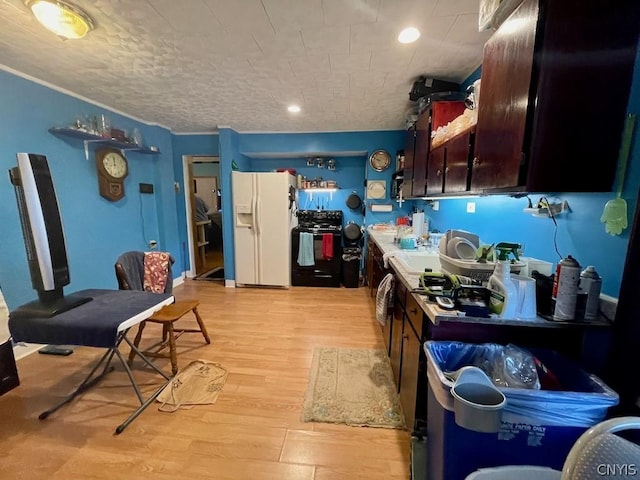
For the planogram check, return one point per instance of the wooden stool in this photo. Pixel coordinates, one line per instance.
(167, 316)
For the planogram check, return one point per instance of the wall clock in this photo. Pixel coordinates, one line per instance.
(380, 160)
(112, 170)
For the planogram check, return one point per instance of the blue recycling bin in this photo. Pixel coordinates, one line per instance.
(538, 427)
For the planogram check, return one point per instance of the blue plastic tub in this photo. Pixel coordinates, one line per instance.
(538, 427)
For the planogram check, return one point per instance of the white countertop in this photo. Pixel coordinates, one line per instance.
(436, 314)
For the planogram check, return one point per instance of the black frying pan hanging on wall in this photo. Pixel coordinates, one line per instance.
(352, 233)
(354, 201)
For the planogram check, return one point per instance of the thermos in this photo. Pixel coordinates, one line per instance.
(590, 285)
(565, 289)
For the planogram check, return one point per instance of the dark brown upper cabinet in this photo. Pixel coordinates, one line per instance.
(457, 163)
(420, 160)
(553, 97)
(436, 115)
(409, 153)
(435, 172)
(449, 166)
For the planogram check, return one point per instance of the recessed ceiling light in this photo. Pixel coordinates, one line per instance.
(409, 35)
(293, 108)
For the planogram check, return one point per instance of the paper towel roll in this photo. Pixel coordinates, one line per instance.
(418, 223)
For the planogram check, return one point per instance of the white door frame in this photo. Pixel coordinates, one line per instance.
(186, 187)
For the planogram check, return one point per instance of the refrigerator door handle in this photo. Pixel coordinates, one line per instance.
(256, 218)
(257, 240)
(253, 212)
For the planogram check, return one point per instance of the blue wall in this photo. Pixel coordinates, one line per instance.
(579, 234)
(230, 158)
(97, 231)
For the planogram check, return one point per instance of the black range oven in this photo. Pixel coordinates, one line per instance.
(316, 249)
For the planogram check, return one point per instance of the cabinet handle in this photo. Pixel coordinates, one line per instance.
(438, 173)
(476, 161)
(446, 170)
(414, 311)
(405, 336)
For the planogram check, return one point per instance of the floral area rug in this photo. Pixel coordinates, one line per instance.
(352, 386)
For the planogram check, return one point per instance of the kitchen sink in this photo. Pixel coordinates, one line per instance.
(417, 261)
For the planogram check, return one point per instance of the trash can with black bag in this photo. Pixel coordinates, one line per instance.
(351, 257)
(352, 237)
(548, 402)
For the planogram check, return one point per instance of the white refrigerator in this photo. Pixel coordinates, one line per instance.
(263, 216)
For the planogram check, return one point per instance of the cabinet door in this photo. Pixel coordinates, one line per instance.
(502, 112)
(409, 152)
(409, 375)
(386, 333)
(435, 175)
(456, 171)
(396, 343)
(420, 156)
(379, 271)
(414, 314)
(369, 266)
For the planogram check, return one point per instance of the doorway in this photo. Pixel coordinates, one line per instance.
(204, 216)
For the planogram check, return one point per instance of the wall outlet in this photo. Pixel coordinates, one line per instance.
(435, 206)
(153, 244)
(471, 207)
(546, 210)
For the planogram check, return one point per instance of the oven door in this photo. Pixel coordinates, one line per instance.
(326, 268)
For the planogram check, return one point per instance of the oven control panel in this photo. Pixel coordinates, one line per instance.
(320, 217)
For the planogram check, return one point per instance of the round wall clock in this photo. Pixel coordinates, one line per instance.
(380, 160)
(112, 170)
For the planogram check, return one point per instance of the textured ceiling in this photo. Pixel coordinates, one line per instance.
(194, 65)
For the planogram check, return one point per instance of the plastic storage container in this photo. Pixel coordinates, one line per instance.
(538, 427)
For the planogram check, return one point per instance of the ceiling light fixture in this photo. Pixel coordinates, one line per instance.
(293, 108)
(409, 35)
(62, 18)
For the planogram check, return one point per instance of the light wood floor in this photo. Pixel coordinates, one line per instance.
(265, 338)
